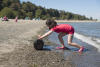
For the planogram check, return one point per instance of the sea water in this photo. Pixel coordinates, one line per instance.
(86, 34)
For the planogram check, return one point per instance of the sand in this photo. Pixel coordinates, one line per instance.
(16, 46)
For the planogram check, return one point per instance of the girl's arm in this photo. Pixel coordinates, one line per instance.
(46, 34)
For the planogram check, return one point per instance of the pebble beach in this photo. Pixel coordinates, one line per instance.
(17, 50)
(16, 46)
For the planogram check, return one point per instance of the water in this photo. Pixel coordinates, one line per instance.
(86, 34)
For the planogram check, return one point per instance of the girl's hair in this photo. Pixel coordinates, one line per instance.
(51, 23)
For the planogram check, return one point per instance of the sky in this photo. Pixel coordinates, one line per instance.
(89, 8)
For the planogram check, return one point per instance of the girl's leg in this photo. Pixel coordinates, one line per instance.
(70, 37)
(60, 37)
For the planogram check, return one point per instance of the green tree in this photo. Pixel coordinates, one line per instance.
(91, 18)
(8, 12)
(21, 14)
(6, 3)
(69, 16)
(1, 5)
(29, 14)
(15, 6)
(28, 7)
(38, 13)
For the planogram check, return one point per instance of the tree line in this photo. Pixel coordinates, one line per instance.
(13, 8)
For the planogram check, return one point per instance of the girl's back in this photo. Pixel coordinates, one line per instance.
(66, 28)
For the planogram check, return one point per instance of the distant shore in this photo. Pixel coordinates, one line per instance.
(22, 20)
(76, 21)
(65, 20)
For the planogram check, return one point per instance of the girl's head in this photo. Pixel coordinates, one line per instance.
(51, 23)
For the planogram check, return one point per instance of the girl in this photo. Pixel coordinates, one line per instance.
(62, 29)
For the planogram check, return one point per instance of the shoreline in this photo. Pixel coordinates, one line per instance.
(59, 21)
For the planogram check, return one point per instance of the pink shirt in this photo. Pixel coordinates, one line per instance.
(65, 28)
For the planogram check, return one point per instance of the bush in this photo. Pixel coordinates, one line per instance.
(8, 12)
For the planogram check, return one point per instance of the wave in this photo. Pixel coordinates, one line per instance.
(90, 40)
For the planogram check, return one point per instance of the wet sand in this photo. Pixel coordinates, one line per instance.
(16, 46)
(90, 56)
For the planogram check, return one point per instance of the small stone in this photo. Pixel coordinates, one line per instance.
(53, 62)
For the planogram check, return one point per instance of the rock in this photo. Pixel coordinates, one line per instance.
(38, 44)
